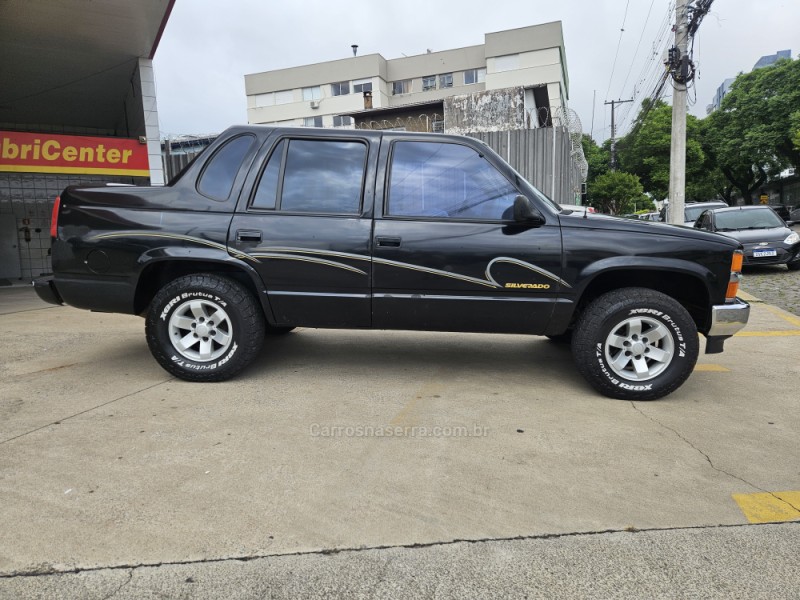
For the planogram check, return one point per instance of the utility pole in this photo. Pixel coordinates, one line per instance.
(613, 104)
(679, 65)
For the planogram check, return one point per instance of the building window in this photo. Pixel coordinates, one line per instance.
(267, 99)
(312, 122)
(341, 88)
(284, 97)
(509, 62)
(401, 87)
(429, 83)
(340, 121)
(474, 76)
(446, 80)
(312, 93)
(362, 85)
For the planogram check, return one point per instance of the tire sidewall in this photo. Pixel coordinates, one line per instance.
(684, 337)
(164, 306)
(679, 359)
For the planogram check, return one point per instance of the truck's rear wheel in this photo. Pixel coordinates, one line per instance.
(635, 344)
(204, 327)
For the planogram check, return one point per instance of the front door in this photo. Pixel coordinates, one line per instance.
(447, 254)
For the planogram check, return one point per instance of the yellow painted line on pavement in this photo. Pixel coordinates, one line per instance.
(710, 368)
(783, 315)
(406, 414)
(788, 333)
(765, 507)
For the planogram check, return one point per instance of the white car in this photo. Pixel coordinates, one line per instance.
(577, 208)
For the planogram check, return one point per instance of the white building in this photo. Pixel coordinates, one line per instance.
(322, 95)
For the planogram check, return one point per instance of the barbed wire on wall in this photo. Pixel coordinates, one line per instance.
(569, 119)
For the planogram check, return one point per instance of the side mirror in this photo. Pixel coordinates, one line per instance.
(525, 212)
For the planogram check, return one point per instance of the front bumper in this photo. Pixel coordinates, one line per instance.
(726, 320)
(45, 288)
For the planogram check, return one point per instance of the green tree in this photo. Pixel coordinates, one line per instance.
(796, 129)
(645, 151)
(753, 135)
(597, 157)
(618, 193)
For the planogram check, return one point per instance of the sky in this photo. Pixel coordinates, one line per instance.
(612, 47)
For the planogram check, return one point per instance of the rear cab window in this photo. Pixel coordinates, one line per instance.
(219, 173)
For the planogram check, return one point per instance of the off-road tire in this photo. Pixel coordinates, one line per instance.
(225, 314)
(607, 330)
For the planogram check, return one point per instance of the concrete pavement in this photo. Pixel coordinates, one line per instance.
(350, 440)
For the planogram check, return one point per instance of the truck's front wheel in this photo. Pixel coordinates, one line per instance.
(635, 344)
(204, 327)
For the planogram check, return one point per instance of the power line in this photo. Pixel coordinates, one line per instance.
(638, 44)
(651, 73)
(619, 43)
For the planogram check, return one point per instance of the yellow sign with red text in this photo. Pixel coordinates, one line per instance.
(47, 153)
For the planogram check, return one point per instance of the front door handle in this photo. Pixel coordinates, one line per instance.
(248, 235)
(388, 242)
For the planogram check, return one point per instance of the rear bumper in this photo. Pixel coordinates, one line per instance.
(45, 288)
(726, 320)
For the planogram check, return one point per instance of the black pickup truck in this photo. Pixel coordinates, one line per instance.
(276, 228)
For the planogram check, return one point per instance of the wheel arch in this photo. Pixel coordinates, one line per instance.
(689, 287)
(159, 271)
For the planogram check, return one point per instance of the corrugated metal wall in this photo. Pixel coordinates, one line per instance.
(175, 162)
(542, 156)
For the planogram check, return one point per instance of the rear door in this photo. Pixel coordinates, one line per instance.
(306, 225)
(447, 254)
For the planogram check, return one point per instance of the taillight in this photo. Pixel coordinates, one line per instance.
(736, 276)
(54, 218)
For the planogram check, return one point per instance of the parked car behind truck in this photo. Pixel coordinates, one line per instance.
(276, 228)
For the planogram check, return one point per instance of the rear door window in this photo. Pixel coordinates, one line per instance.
(313, 176)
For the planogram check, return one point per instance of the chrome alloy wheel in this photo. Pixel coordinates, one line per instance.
(200, 330)
(639, 348)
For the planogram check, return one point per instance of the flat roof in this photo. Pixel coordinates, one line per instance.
(70, 62)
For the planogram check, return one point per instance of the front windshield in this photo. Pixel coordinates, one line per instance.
(692, 212)
(759, 218)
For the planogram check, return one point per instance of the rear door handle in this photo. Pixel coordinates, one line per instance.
(388, 242)
(248, 235)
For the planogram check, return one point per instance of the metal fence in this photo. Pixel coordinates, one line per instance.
(543, 156)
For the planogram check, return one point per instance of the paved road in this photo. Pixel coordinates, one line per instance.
(116, 478)
(775, 285)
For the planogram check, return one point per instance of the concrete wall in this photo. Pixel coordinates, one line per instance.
(415, 119)
(494, 110)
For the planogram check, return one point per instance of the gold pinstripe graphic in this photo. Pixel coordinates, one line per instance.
(291, 253)
(174, 236)
(319, 261)
(488, 282)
